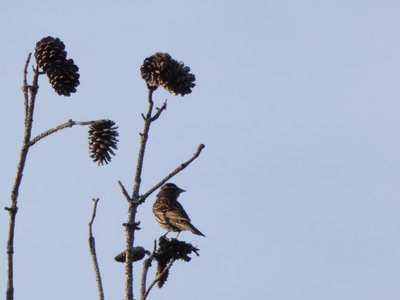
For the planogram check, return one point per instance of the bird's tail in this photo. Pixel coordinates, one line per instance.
(195, 230)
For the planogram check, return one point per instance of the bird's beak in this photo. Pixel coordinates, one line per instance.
(181, 190)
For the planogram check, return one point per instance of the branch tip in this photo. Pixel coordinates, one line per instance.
(124, 192)
(182, 166)
(92, 248)
(11, 209)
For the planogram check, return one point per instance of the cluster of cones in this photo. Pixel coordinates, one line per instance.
(168, 250)
(51, 57)
(161, 69)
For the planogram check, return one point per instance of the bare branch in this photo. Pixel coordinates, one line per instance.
(124, 191)
(136, 200)
(29, 109)
(93, 254)
(128, 250)
(172, 174)
(130, 230)
(95, 201)
(158, 277)
(143, 141)
(146, 265)
(33, 89)
(25, 86)
(67, 124)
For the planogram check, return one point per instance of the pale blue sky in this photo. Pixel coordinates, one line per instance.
(297, 190)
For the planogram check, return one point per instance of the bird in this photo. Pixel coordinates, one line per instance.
(169, 213)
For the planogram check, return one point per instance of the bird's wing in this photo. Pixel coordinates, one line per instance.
(175, 211)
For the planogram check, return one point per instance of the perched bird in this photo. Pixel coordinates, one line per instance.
(169, 212)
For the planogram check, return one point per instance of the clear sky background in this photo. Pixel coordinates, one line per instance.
(297, 190)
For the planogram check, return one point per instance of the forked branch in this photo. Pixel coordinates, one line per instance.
(135, 200)
(29, 103)
(133, 203)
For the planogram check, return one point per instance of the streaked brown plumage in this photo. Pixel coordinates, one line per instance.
(169, 213)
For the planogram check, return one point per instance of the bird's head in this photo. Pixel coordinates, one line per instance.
(171, 189)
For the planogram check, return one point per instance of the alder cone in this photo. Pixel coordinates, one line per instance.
(152, 68)
(64, 77)
(50, 53)
(138, 253)
(102, 141)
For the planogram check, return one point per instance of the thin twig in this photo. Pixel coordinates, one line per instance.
(158, 277)
(172, 174)
(159, 111)
(30, 106)
(146, 265)
(92, 247)
(67, 124)
(124, 191)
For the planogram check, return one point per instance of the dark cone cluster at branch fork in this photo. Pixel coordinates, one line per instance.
(162, 69)
(102, 141)
(171, 249)
(51, 57)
